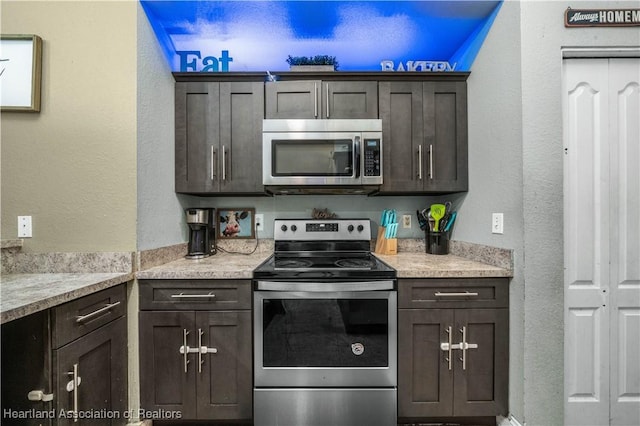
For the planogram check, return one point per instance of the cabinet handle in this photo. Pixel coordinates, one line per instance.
(430, 161)
(195, 296)
(419, 162)
(465, 294)
(202, 350)
(184, 349)
(200, 361)
(327, 85)
(100, 311)
(72, 386)
(315, 100)
(224, 163)
(213, 163)
(450, 347)
(464, 346)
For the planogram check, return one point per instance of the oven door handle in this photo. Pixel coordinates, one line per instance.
(328, 287)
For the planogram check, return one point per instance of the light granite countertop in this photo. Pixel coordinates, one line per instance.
(422, 265)
(218, 266)
(25, 294)
(408, 265)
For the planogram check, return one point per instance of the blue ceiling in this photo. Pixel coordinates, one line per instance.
(363, 35)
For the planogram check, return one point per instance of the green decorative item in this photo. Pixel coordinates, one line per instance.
(318, 60)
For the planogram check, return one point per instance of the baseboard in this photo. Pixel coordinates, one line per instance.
(509, 421)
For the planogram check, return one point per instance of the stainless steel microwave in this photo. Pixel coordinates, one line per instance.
(335, 154)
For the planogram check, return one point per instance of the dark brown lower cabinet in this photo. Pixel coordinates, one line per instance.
(67, 365)
(99, 361)
(454, 361)
(196, 364)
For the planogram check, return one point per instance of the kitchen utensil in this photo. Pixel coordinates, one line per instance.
(437, 212)
(422, 221)
(452, 219)
(432, 221)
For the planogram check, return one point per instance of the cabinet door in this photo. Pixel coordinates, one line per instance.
(167, 377)
(240, 150)
(349, 99)
(425, 376)
(197, 122)
(224, 379)
(26, 366)
(293, 99)
(481, 381)
(402, 133)
(312, 99)
(445, 126)
(100, 361)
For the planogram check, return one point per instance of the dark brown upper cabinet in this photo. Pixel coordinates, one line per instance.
(425, 136)
(218, 145)
(313, 99)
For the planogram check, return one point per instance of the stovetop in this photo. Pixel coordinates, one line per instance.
(365, 266)
(323, 249)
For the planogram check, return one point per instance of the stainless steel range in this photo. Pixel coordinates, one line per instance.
(325, 328)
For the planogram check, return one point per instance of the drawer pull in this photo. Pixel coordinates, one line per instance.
(460, 294)
(100, 311)
(195, 296)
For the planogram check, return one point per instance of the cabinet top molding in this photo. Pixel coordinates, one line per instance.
(326, 75)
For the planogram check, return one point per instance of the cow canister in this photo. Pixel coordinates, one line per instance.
(202, 232)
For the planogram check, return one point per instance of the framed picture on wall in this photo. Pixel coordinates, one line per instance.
(20, 72)
(236, 223)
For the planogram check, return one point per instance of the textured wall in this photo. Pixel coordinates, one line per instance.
(73, 165)
(160, 216)
(495, 170)
(542, 37)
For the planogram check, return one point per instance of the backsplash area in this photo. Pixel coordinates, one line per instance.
(16, 262)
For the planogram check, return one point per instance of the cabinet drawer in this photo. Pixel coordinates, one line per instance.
(79, 317)
(453, 293)
(210, 295)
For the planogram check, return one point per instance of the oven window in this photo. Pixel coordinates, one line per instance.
(330, 157)
(325, 333)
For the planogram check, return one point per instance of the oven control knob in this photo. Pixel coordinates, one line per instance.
(284, 228)
(360, 228)
(294, 228)
(350, 228)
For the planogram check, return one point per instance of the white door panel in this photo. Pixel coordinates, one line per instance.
(586, 224)
(625, 248)
(601, 107)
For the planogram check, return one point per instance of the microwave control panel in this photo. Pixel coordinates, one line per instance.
(372, 157)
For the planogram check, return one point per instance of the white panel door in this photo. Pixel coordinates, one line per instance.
(601, 241)
(624, 124)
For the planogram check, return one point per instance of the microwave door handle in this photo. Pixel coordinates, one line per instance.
(356, 154)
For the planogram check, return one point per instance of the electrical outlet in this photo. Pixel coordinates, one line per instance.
(406, 221)
(260, 222)
(497, 223)
(24, 227)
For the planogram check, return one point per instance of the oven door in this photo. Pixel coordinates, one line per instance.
(311, 158)
(321, 337)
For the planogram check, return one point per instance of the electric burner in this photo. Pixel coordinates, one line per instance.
(291, 263)
(354, 263)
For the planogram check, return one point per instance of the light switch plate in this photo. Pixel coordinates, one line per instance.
(497, 223)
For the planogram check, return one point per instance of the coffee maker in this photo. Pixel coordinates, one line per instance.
(202, 232)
